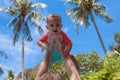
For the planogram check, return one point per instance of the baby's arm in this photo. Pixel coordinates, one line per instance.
(67, 50)
(42, 45)
(42, 40)
(67, 44)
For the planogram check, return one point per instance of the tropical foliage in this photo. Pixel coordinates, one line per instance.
(30, 73)
(110, 70)
(116, 47)
(10, 75)
(99, 68)
(90, 60)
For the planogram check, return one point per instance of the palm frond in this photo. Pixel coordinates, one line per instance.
(15, 38)
(34, 18)
(84, 8)
(73, 17)
(18, 0)
(83, 19)
(96, 7)
(11, 10)
(27, 32)
(12, 22)
(105, 16)
(73, 13)
(73, 1)
(86, 22)
(70, 11)
(24, 8)
(16, 32)
(100, 9)
(17, 4)
(36, 23)
(94, 1)
(37, 16)
(40, 30)
(39, 5)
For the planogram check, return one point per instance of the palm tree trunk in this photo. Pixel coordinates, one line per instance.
(22, 48)
(99, 36)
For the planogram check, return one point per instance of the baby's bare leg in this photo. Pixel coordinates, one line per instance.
(74, 61)
(43, 66)
(72, 71)
(61, 49)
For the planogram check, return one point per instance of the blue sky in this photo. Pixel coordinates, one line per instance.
(86, 41)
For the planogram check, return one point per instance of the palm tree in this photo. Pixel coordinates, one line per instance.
(84, 11)
(24, 13)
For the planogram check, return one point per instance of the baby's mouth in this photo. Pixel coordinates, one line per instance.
(55, 31)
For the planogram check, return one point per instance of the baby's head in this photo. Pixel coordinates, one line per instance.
(54, 23)
(53, 17)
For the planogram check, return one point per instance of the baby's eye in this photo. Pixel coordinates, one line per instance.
(58, 25)
(51, 25)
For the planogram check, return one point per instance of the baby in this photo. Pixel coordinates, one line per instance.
(57, 46)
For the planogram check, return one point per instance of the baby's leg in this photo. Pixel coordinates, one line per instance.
(43, 66)
(72, 72)
(74, 61)
(61, 49)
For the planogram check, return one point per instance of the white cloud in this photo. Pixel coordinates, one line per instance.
(14, 54)
(6, 43)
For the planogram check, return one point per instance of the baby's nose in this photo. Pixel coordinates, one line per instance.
(55, 27)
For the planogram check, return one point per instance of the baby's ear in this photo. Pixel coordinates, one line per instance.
(46, 26)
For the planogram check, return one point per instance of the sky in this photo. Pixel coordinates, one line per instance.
(86, 41)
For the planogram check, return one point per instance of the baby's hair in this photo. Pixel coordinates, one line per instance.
(54, 16)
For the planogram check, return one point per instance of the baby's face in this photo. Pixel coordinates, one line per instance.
(54, 25)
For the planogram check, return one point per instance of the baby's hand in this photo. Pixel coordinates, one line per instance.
(43, 47)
